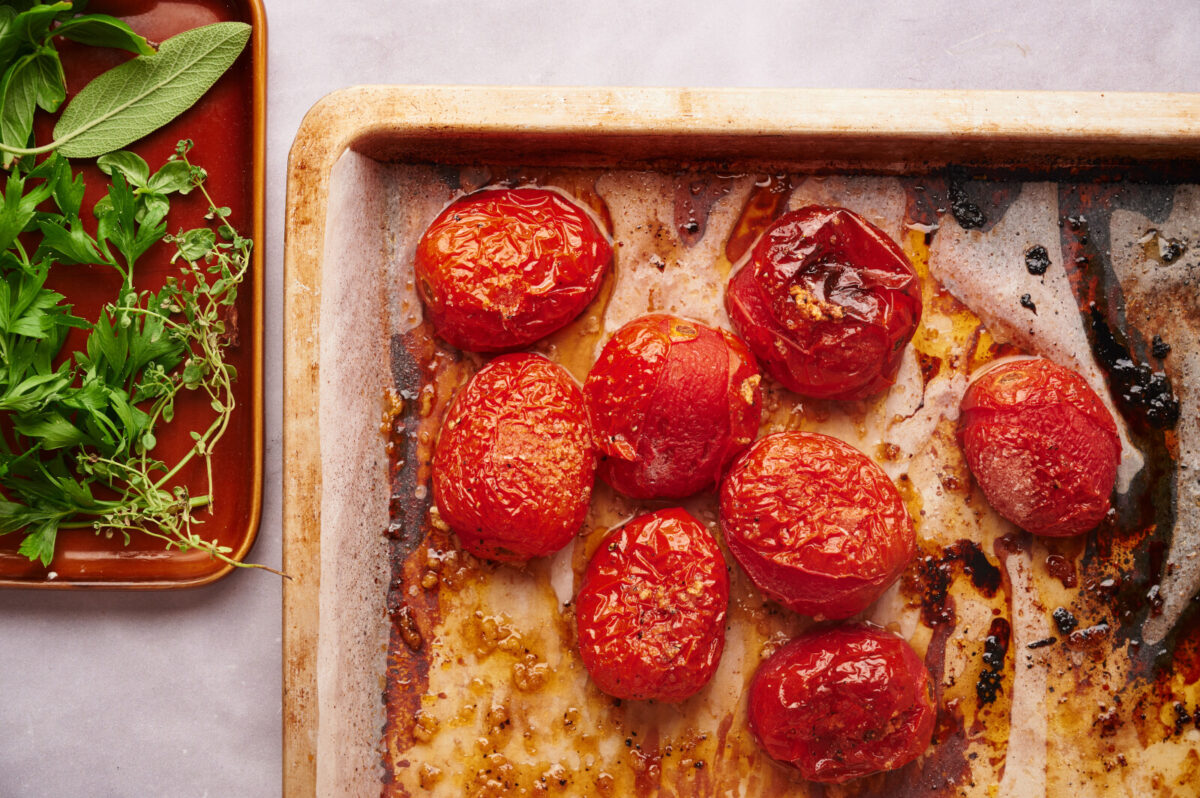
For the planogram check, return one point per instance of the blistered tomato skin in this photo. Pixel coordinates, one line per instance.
(513, 466)
(815, 523)
(502, 268)
(672, 402)
(1042, 446)
(651, 608)
(827, 303)
(842, 703)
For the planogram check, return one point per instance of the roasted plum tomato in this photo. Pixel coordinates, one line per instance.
(501, 268)
(1042, 446)
(672, 402)
(651, 608)
(827, 303)
(841, 703)
(513, 465)
(815, 523)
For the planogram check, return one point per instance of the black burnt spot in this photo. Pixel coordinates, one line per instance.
(1143, 395)
(1064, 620)
(995, 649)
(1027, 303)
(1037, 260)
(937, 573)
(968, 215)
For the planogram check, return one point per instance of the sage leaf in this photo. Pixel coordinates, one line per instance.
(101, 30)
(138, 97)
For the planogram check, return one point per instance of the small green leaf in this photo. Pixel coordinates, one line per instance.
(18, 101)
(39, 544)
(10, 38)
(11, 514)
(129, 164)
(192, 374)
(154, 208)
(67, 188)
(52, 429)
(33, 24)
(140, 96)
(195, 244)
(51, 82)
(175, 176)
(68, 243)
(149, 441)
(101, 30)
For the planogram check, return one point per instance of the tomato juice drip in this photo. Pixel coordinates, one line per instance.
(767, 201)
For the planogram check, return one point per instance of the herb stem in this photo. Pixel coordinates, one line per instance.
(22, 151)
(107, 507)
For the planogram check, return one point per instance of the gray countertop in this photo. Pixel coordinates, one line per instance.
(178, 694)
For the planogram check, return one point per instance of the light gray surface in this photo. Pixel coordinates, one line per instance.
(110, 694)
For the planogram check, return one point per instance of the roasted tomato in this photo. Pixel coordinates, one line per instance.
(500, 269)
(826, 302)
(514, 464)
(843, 702)
(651, 608)
(1042, 446)
(815, 523)
(672, 403)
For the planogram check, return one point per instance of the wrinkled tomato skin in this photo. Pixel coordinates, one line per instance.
(842, 703)
(1042, 446)
(502, 268)
(513, 465)
(650, 612)
(815, 524)
(672, 402)
(827, 303)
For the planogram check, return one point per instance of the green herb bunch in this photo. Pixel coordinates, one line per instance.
(78, 430)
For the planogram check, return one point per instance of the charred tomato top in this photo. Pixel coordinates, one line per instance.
(815, 523)
(513, 465)
(651, 608)
(827, 303)
(672, 402)
(501, 268)
(1042, 446)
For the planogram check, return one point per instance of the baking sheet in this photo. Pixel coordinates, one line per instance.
(315, 603)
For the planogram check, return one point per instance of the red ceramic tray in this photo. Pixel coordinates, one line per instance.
(228, 127)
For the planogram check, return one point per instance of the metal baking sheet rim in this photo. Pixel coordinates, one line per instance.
(879, 131)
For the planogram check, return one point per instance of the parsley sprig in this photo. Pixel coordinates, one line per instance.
(80, 449)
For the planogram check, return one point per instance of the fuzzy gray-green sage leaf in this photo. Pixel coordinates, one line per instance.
(140, 96)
